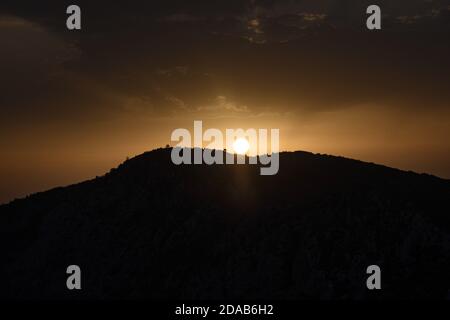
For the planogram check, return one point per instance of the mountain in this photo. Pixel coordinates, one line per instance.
(151, 229)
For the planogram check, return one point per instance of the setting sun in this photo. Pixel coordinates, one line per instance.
(241, 146)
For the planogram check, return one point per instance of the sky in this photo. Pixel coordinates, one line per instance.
(74, 104)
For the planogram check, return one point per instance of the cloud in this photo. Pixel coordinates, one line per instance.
(221, 103)
(313, 17)
(409, 19)
(287, 55)
(180, 104)
(7, 21)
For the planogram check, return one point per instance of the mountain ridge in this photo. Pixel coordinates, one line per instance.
(151, 229)
(147, 153)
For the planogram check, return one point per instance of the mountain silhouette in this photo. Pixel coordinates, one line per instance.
(152, 230)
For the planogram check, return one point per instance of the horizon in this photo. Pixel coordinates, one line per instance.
(128, 158)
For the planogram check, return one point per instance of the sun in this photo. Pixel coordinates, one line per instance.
(241, 146)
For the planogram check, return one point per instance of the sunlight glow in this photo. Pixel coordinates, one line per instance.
(241, 146)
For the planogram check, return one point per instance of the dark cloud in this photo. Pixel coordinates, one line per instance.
(124, 42)
(262, 54)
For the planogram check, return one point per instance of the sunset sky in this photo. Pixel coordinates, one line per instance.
(74, 104)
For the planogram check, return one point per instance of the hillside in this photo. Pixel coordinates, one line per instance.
(150, 229)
